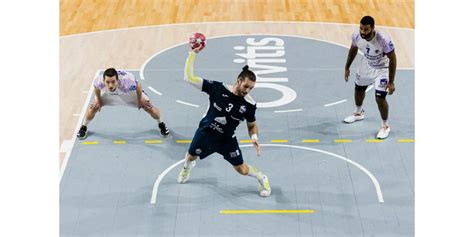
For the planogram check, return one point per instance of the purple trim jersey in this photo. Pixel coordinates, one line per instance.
(127, 83)
(376, 50)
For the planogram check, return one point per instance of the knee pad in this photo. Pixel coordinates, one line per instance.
(360, 88)
(380, 94)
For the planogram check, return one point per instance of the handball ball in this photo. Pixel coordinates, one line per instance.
(197, 39)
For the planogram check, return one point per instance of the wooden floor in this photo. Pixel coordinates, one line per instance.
(80, 16)
(82, 55)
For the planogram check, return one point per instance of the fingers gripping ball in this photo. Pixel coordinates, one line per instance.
(197, 39)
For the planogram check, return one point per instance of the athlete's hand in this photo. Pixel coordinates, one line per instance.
(257, 146)
(391, 88)
(347, 74)
(198, 49)
(97, 104)
(143, 103)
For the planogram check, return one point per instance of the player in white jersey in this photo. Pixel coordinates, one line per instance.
(115, 88)
(377, 67)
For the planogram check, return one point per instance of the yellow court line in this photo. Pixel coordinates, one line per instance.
(153, 141)
(279, 141)
(183, 141)
(311, 140)
(90, 143)
(120, 142)
(375, 140)
(342, 140)
(245, 141)
(406, 140)
(267, 211)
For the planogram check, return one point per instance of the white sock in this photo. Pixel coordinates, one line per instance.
(358, 109)
(385, 123)
(187, 164)
(85, 122)
(253, 172)
(158, 120)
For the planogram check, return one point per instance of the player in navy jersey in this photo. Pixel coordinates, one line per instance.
(228, 107)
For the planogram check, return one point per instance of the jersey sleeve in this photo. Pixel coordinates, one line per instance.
(355, 38)
(210, 87)
(98, 82)
(386, 43)
(250, 115)
(128, 81)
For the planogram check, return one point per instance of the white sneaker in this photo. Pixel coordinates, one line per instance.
(383, 132)
(265, 189)
(354, 117)
(184, 173)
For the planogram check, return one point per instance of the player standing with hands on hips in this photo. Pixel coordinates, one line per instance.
(229, 106)
(377, 66)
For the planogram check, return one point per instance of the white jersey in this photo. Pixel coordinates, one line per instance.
(375, 50)
(126, 84)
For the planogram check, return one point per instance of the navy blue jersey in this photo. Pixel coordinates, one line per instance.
(226, 110)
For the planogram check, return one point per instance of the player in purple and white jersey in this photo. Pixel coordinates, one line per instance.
(118, 87)
(377, 67)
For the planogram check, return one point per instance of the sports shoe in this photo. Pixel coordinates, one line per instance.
(184, 173)
(354, 117)
(265, 189)
(383, 132)
(164, 131)
(82, 134)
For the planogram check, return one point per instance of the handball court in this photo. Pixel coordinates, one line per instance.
(328, 178)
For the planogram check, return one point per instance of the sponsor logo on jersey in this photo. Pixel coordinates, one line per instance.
(217, 107)
(198, 151)
(133, 87)
(216, 127)
(234, 118)
(221, 120)
(242, 109)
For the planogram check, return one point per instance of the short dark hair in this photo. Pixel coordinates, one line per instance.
(110, 72)
(246, 73)
(367, 20)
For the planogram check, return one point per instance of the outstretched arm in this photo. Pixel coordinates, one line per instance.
(189, 71)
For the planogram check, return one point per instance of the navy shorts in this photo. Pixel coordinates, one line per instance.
(206, 142)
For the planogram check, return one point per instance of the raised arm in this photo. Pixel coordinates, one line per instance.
(189, 72)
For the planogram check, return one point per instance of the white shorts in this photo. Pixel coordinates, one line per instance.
(129, 99)
(367, 75)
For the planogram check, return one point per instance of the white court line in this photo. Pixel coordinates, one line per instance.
(78, 125)
(154, 194)
(287, 111)
(142, 77)
(232, 22)
(152, 89)
(186, 103)
(371, 176)
(335, 103)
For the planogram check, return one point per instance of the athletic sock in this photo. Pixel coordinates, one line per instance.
(385, 123)
(358, 109)
(253, 172)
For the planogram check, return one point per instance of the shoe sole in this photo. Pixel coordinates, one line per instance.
(354, 120)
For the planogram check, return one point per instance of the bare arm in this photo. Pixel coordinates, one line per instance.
(139, 91)
(97, 94)
(253, 129)
(189, 72)
(392, 66)
(351, 56)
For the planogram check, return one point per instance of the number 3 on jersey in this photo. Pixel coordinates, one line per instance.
(229, 108)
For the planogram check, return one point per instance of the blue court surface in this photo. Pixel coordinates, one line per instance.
(328, 178)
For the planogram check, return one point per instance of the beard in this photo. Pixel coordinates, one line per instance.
(365, 36)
